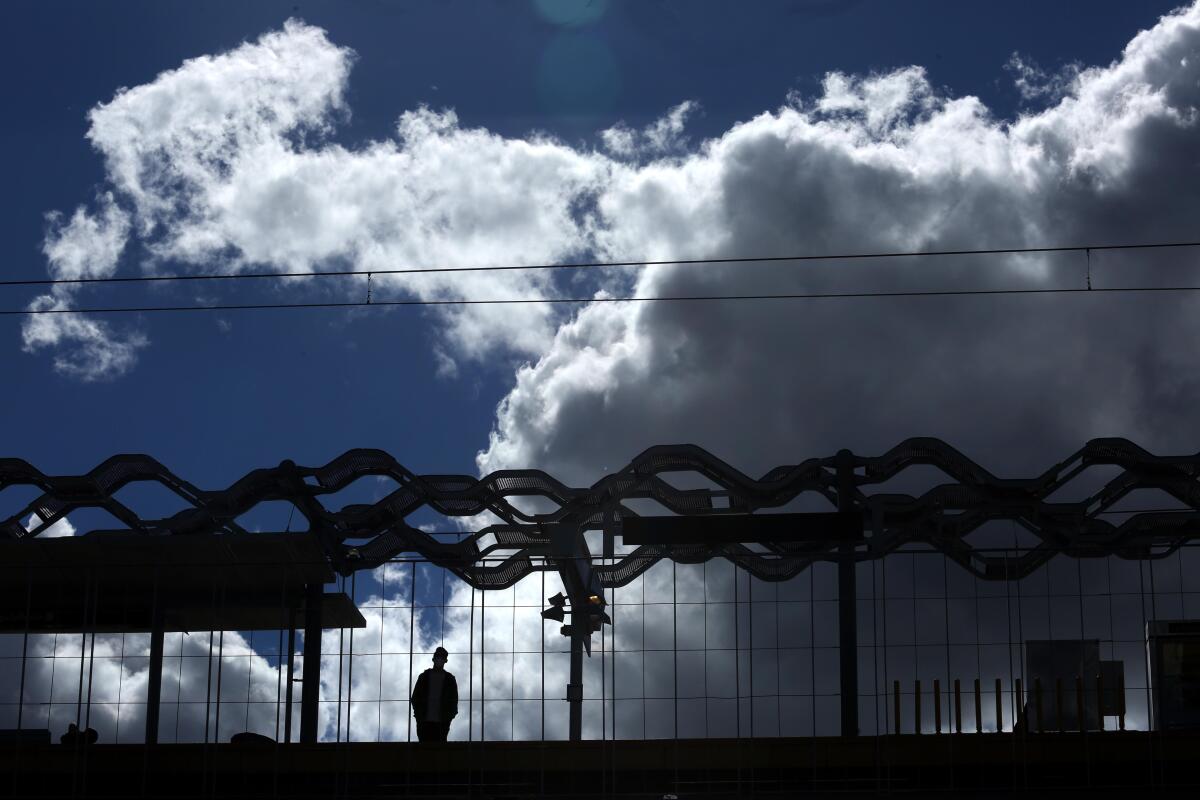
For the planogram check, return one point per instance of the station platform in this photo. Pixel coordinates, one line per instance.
(1058, 766)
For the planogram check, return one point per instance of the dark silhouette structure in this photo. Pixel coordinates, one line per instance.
(200, 570)
(76, 736)
(435, 700)
(720, 522)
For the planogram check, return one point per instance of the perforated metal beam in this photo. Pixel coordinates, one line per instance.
(364, 536)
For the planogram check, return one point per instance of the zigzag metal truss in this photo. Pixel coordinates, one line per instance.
(497, 556)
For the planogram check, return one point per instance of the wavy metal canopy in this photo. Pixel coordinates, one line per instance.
(497, 556)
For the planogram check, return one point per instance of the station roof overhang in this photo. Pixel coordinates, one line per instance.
(120, 582)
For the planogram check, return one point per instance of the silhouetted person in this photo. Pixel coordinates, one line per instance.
(435, 700)
(76, 736)
(72, 736)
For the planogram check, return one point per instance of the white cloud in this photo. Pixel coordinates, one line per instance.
(226, 164)
(164, 140)
(619, 140)
(879, 100)
(662, 137)
(87, 349)
(877, 164)
(87, 246)
(1034, 83)
(61, 528)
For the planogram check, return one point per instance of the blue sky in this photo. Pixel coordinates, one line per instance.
(307, 385)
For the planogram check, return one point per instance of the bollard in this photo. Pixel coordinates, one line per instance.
(1058, 703)
(917, 706)
(978, 709)
(1121, 695)
(999, 707)
(896, 703)
(1037, 698)
(937, 706)
(1021, 722)
(957, 708)
(1079, 704)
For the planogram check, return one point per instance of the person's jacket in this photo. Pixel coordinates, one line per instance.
(420, 696)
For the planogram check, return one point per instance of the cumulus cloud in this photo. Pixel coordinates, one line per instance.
(227, 163)
(888, 162)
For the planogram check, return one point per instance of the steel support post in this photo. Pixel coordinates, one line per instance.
(575, 688)
(154, 688)
(311, 688)
(154, 685)
(291, 679)
(847, 601)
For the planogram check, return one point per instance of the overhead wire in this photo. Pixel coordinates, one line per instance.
(594, 264)
(585, 300)
(372, 301)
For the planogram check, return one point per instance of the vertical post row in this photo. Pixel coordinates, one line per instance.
(847, 601)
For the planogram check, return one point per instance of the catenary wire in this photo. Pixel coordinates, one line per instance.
(596, 264)
(584, 300)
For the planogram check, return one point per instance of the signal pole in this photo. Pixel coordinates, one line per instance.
(847, 600)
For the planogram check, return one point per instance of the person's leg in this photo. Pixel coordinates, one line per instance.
(443, 730)
(422, 731)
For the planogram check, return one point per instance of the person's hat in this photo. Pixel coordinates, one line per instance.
(441, 651)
